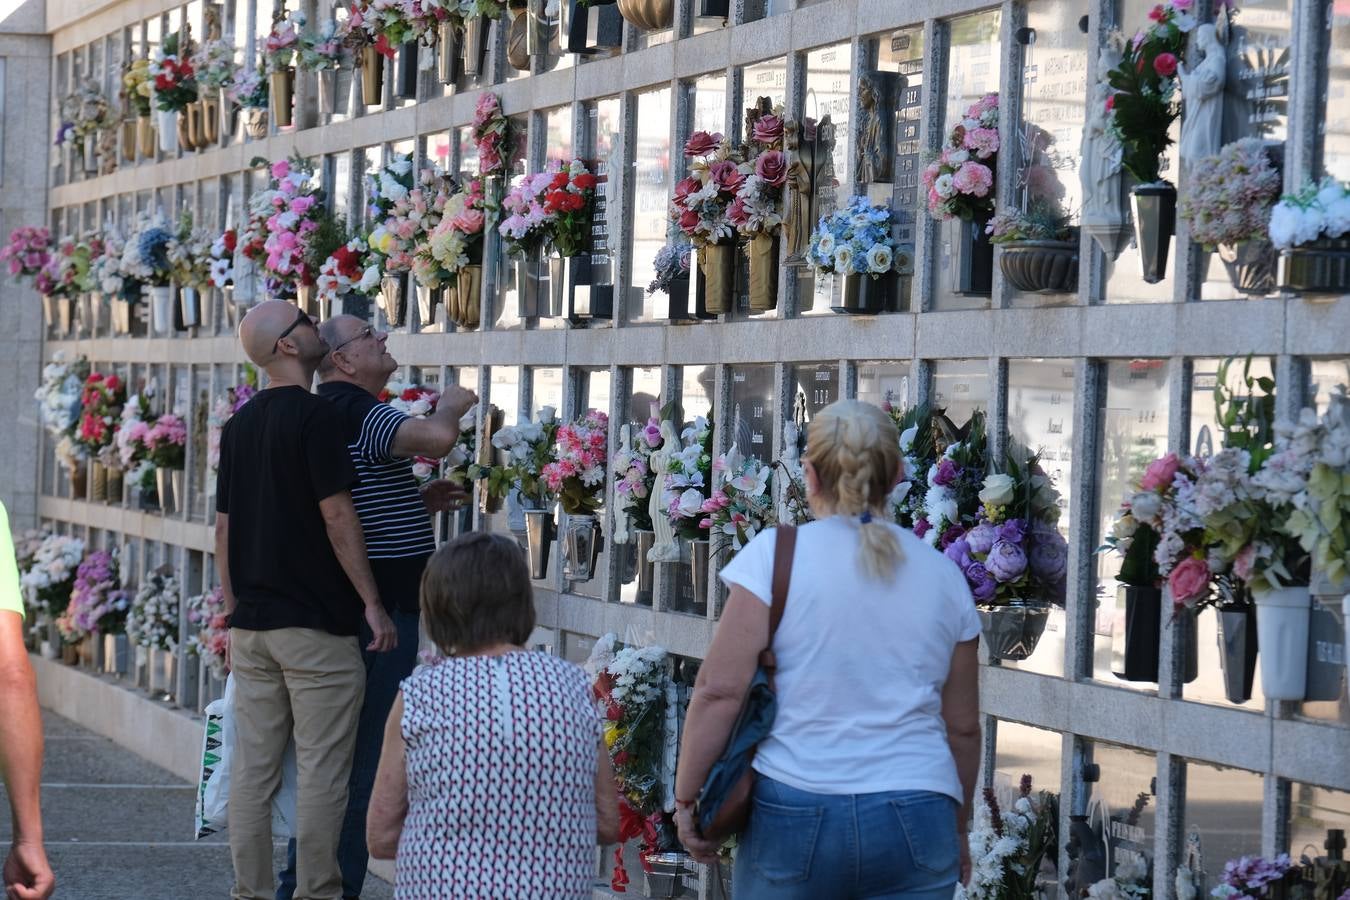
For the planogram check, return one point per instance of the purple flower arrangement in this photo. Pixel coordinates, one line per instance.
(1250, 877)
(98, 605)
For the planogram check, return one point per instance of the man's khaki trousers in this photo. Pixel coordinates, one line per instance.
(311, 684)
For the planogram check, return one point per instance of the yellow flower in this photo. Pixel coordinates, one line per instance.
(611, 735)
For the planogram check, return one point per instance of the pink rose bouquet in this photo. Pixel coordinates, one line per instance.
(491, 133)
(551, 209)
(960, 182)
(576, 473)
(758, 206)
(701, 206)
(456, 241)
(166, 442)
(28, 251)
(283, 220)
(410, 220)
(283, 41)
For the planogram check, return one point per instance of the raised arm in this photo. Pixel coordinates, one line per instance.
(435, 435)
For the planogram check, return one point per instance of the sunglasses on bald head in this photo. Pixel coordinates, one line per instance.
(302, 319)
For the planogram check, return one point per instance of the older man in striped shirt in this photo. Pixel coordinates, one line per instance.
(395, 514)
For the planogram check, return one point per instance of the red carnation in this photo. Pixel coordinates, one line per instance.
(584, 182)
(410, 394)
(559, 181)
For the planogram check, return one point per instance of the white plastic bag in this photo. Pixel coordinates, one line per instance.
(213, 789)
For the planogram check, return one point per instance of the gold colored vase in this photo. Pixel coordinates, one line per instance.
(184, 132)
(717, 263)
(195, 130)
(469, 288)
(762, 252)
(145, 137)
(281, 92)
(649, 15)
(209, 110)
(372, 76)
(129, 139)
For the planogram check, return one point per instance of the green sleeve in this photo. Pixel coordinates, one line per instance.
(10, 597)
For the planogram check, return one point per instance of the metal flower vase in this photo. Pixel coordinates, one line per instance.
(428, 298)
(976, 259)
(145, 137)
(226, 109)
(304, 298)
(255, 122)
(469, 289)
(1319, 267)
(405, 72)
(1238, 651)
(89, 154)
(113, 494)
(1250, 265)
(196, 133)
(646, 569)
(474, 42)
(371, 63)
(717, 277)
(1012, 630)
(98, 482)
(393, 299)
(581, 542)
(447, 51)
(182, 124)
(663, 874)
(161, 307)
(1155, 221)
(169, 487)
(116, 654)
(281, 94)
(649, 15)
(762, 253)
(211, 119)
(538, 540)
(865, 295)
(325, 81)
(699, 552)
(128, 139)
(190, 307)
(1135, 646)
(168, 132)
(1282, 619)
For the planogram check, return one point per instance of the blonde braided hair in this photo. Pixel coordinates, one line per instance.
(855, 451)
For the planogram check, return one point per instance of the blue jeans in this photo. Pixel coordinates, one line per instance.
(384, 673)
(899, 845)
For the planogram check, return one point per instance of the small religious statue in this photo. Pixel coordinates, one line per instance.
(1202, 99)
(799, 218)
(871, 161)
(622, 520)
(1103, 215)
(664, 547)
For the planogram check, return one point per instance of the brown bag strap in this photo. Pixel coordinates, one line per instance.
(784, 549)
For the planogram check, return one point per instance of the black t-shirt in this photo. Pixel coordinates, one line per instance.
(399, 534)
(283, 452)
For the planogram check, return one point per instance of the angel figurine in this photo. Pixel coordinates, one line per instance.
(664, 547)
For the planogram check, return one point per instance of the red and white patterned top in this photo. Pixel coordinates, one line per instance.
(501, 758)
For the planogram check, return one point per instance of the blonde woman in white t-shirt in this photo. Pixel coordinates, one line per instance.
(864, 784)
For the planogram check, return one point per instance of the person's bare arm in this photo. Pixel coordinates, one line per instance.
(223, 560)
(27, 874)
(961, 713)
(606, 800)
(719, 692)
(389, 797)
(435, 435)
(349, 543)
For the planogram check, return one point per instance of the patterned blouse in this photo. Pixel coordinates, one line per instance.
(501, 760)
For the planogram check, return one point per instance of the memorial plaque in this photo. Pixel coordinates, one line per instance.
(902, 53)
(961, 386)
(815, 386)
(880, 383)
(1256, 91)
(1040, 420)
(546, 389)
(651, 199)
(750, 421)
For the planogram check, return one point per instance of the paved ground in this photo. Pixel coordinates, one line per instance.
(119, 828)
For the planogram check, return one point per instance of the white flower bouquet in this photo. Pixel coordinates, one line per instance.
(1317, 210)
(153, 619)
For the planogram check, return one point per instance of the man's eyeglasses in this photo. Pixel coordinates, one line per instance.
(366, 332)
(302, 319)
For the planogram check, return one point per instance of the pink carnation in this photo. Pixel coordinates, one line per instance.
(983, 142)
(973, 179)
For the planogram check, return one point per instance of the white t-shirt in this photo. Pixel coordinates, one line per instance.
(861, 663)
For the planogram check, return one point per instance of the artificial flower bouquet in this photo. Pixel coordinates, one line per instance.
(137, 88)
(1008, 845)
(741, 506)
(100, 411)
(945, 480)
(1319, 512)
(98, 605)
(411, 219)
(960, 182)
(1252, 877)
(550, 210)
(460, 465)
(166, 442)
(419, 402)
(28, 252)
(491, 133)
(1145, 89)
(174, 78)
(456, 240)
(1229, 197)
(214, 65)
(688, 481)
(1015, 552)
(630, 690)
(856, 240)
(132, 432)
(210, 634)
(322, 51)
(576, 473)
(758, 206)
(634, 480)
(673, 261)
(387, 24)
(1317, 210)
(60, 393)
(223, 410)
(529, 448)
(346, 271)
(283, 220)
(106, 273)
(248, 89)
(152, 621)
(145, 256)
(67, 274)
(1041, 221)
(701, 206)
(84, 111)
(50, 577)
(384, 189)
(283, 41)
(220, 258)
(1150, 511)
(189, 255)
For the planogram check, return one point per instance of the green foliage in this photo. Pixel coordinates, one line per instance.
(1137, 566)
(324, 240)
(1146, 102)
